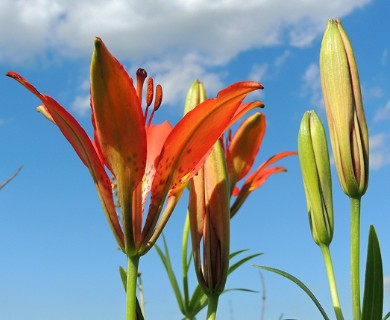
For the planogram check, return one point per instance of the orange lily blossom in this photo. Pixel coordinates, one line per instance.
(151, 164)
(241, 151)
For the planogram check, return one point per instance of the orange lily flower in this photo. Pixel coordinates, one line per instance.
(151, 164)
(241, 151)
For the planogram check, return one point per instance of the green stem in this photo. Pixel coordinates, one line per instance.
(131, 287)
(355, 257)
(332, 281)
(184, 260)
(212, 306)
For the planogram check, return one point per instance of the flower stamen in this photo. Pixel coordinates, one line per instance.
(157, 102)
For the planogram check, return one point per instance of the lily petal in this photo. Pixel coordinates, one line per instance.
(156, 135)
(244, 147)
(84, 148)
(244, 108)
(257, 179)
(190, 142)
(118, 117)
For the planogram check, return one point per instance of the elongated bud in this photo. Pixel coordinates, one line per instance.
(344, 109)
(196, 94)
(209, 212)
(317, 181)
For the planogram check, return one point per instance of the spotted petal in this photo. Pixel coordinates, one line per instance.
(118, 117)
(190, 142)
(85, 149)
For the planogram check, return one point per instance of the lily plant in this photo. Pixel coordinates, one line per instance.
(150, 164)
(214, 199)
(349, 140)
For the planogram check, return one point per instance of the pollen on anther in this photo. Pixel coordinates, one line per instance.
(158, 99)
(149, 92)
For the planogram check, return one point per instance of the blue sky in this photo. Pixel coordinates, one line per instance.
(58, 259)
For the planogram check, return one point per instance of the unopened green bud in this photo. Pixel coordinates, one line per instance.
(195, 95)
(317, 181)
(344, 109)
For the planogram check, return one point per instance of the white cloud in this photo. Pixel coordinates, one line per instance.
(176, 76)
(379, 151)
(258, 72)
(312, 85)
(280, 60)
(81, 104)
(177, 40)
(383, 113)
(143, 30)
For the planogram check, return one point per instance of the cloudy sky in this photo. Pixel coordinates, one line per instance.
(59, 259)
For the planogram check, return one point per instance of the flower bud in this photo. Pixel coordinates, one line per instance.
(195, 95)
(344, 109)
(209, 212)
(317, 181)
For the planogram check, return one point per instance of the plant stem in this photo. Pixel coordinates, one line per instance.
(332, 282)
(184, 254)
(355, 257)
(131, 287)
(212, 306)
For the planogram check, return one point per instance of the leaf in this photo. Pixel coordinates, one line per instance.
(300, 284)
(171, 275)
(240, 289)
(235, 253)
(373, 287)
(387, 316)
(123, 274)
(242, 261)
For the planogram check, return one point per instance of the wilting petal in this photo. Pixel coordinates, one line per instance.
(244, 147)
(190, 142)
(244, 108)
(257, 179)
(118, 117)
(85, 149)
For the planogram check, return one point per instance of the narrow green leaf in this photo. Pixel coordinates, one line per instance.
(387, 316)
(240, 289)
(373, 287)
(300, 284)
(123, 275)
(171, 275)
(197, 296)
(235, 253)
(242, 261)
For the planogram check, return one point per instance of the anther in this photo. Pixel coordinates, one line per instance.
(158, 99)
(149, 97)
(157, 102)
(149, 92)
(141, 76)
